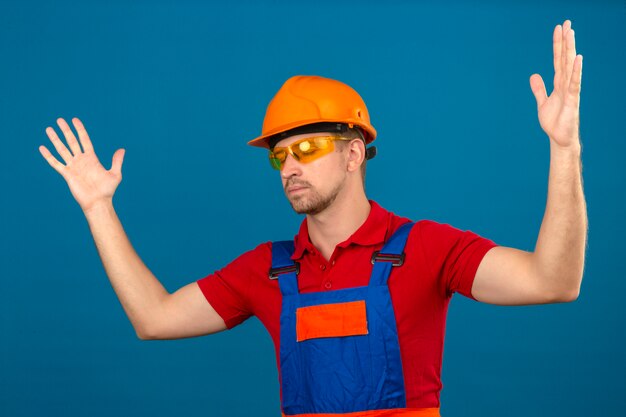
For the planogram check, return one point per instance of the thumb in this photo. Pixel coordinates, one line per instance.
(539, 89)
(118, 159)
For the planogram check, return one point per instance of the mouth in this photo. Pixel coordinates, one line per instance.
(295, 189)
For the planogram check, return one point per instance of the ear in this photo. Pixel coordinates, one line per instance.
(356, 154)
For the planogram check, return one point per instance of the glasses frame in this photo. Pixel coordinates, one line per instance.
(277, 164)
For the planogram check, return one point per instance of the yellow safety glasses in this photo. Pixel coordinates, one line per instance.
(304, 151)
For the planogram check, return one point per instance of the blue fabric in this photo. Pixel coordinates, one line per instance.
(341, 374)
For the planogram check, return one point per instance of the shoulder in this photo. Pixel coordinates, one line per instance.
(432, 227)
(256, 259)
(420, 226)
(394, 221)
(435, 236)
(430, 233)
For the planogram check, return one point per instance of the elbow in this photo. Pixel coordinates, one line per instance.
(148, 326)
(566, 296)
(570, 296)
(564, 289)
(142, 336)
(573, 292)
(145, 333)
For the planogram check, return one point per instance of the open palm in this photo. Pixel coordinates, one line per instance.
(89, 182)
(559, 113)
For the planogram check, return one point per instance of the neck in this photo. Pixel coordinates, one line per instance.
(338, 222)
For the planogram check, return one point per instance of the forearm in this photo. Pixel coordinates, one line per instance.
(560, 250)
(138, 290)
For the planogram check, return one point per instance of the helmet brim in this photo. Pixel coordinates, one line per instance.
(263, 141)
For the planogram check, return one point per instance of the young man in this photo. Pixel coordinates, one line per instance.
(356, 304)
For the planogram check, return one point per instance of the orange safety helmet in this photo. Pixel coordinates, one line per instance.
(305, 100)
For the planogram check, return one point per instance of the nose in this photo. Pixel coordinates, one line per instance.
(290, 168)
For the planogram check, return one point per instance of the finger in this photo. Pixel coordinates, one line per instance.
(564, 33)
(54, 163)
(573, 96)
(69, 136)
(570, 55)
(556, 47)
(58, 145)
(82, 135)
(118, 159)
(539, 89)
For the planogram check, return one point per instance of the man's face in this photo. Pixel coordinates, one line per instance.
(312, 187)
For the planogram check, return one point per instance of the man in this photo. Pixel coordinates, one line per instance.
(356, 304)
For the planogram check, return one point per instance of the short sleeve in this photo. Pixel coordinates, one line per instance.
(454, 255)
(229, 289)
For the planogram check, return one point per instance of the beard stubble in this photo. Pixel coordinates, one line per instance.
(313, 202)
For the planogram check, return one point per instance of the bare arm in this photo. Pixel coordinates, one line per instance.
(154, 313)
(553, 272)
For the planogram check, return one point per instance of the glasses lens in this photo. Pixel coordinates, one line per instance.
(275, 163)
(323, 142)
(277, 157)
(312, 148)
(305, 150)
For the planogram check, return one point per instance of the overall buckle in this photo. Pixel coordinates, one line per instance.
(275, 272)
(396, 260)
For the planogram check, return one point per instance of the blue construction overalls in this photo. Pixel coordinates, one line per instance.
(339, 350)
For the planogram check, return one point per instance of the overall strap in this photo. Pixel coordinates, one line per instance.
(284, 268)
(392, 254)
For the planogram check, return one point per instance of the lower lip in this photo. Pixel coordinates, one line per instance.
(296, 190)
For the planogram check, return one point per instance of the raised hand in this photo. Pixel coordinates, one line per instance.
(89, 182)
(559, 113)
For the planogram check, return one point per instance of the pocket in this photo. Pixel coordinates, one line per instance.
(331, 320)
(334, 349)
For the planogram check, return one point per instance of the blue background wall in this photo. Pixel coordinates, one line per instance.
(459, 142)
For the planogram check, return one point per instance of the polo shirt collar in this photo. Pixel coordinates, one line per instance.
(373, 231)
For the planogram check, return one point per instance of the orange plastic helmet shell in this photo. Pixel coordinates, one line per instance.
(305, 99)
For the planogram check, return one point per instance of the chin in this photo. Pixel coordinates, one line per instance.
(310, 206)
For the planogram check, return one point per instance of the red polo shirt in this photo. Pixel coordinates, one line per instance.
(440, 260)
